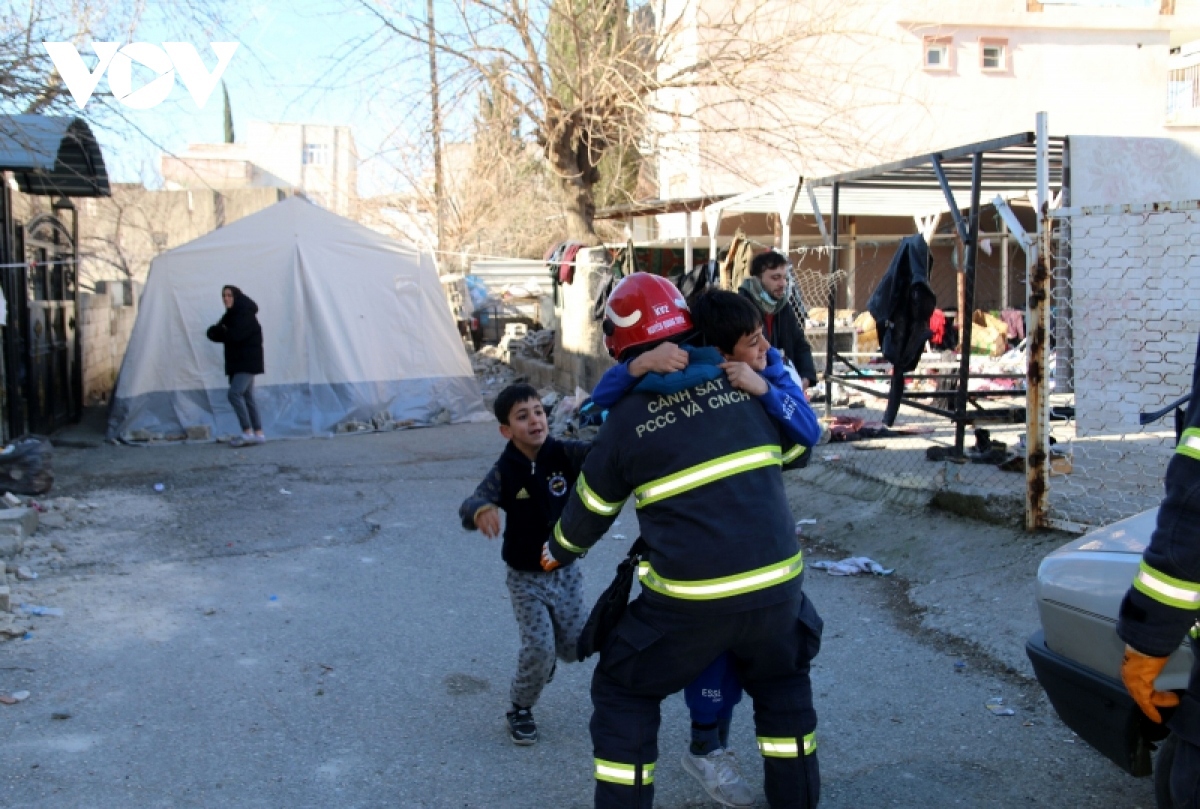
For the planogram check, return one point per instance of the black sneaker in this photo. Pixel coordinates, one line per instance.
(521, 727)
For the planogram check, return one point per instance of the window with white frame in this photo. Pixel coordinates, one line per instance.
(937, 53)
(993, 55)
(316, 154)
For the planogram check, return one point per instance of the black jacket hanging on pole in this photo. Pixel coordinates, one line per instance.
(902, 305)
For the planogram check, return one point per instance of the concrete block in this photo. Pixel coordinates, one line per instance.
(199, 433)
(18, 522)
(5, 599)
(11, 547)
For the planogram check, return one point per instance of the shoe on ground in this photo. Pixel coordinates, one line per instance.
(246, 440)
(521, 727)
(719, 774)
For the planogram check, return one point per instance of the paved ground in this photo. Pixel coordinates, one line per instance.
(305, 624)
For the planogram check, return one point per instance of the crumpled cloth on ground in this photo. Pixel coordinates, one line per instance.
(853, 567)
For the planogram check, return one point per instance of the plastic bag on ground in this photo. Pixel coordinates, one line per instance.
(26, 465)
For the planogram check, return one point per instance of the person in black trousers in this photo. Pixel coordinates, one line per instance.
(239, 330)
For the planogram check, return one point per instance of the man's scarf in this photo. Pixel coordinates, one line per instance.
(760, 296)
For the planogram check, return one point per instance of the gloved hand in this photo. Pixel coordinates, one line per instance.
(1138, 672)
(548, 561)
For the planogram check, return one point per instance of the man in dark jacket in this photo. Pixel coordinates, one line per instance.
(1164, 604)
(767, 288)
(723, 570)
(239, 330)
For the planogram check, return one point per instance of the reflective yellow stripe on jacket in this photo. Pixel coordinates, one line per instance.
(594, 502)
(1189, 443)
(737, 584)
(562, 540)
(708, 472)
(616, 773)
(1184, 595)
(793, 453)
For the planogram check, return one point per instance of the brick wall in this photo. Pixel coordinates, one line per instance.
(105, 325)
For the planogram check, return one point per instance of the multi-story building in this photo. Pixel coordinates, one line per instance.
(320, 161)
(884, 79)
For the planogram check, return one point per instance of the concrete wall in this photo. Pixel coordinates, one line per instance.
(580, 358)
(1137, 315)
(105, 325)
(120, 235)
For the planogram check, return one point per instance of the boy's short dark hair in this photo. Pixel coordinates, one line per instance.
(512, 396)
(723, 318)
(768, 260)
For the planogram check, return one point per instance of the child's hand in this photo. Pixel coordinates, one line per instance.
(663, 359)
(743, 377)
(487, 520)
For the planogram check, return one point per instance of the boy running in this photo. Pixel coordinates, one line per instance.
(530, 483)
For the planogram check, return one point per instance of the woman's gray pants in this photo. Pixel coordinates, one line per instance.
(241, 396)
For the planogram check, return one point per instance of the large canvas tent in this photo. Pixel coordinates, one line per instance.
(356, 328)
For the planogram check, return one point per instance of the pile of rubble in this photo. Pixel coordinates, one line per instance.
(538, 345)
(383, 422)
(576, 417)
(23, 551)
(492, 372)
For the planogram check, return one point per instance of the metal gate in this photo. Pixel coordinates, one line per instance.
(45, 321)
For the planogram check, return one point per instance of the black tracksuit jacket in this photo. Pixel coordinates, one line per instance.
(532, 495)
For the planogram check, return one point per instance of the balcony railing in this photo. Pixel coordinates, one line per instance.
(1183, 95)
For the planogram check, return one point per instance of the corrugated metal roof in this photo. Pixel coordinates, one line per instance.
(910, 187)
(52, 155)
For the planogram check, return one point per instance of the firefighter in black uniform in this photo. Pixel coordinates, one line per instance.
(1164, 602)
(702, 461)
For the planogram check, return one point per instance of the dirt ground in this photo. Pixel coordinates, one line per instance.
(967, 582)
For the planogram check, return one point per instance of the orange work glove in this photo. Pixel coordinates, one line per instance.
(548, 561)
(1139, 672)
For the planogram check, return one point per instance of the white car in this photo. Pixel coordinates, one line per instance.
(1077, 655)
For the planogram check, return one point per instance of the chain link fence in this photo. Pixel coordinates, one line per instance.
(1124, 318)
(916, 451)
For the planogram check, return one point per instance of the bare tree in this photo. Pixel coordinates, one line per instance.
(594, 81)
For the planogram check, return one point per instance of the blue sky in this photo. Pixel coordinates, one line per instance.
(295, 63)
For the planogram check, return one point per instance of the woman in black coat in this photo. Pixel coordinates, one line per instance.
(238, 329)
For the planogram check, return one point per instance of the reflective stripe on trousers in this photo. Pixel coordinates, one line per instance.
(627, 774)
(787, 748)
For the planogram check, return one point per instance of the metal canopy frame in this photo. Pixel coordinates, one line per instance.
(52, 156)
(1004, 167)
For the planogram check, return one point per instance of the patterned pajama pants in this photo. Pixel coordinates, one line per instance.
(550, 615)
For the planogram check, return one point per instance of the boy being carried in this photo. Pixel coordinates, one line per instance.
(530, 483)
(731, 324)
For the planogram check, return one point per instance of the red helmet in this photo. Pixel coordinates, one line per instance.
(643, 308)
